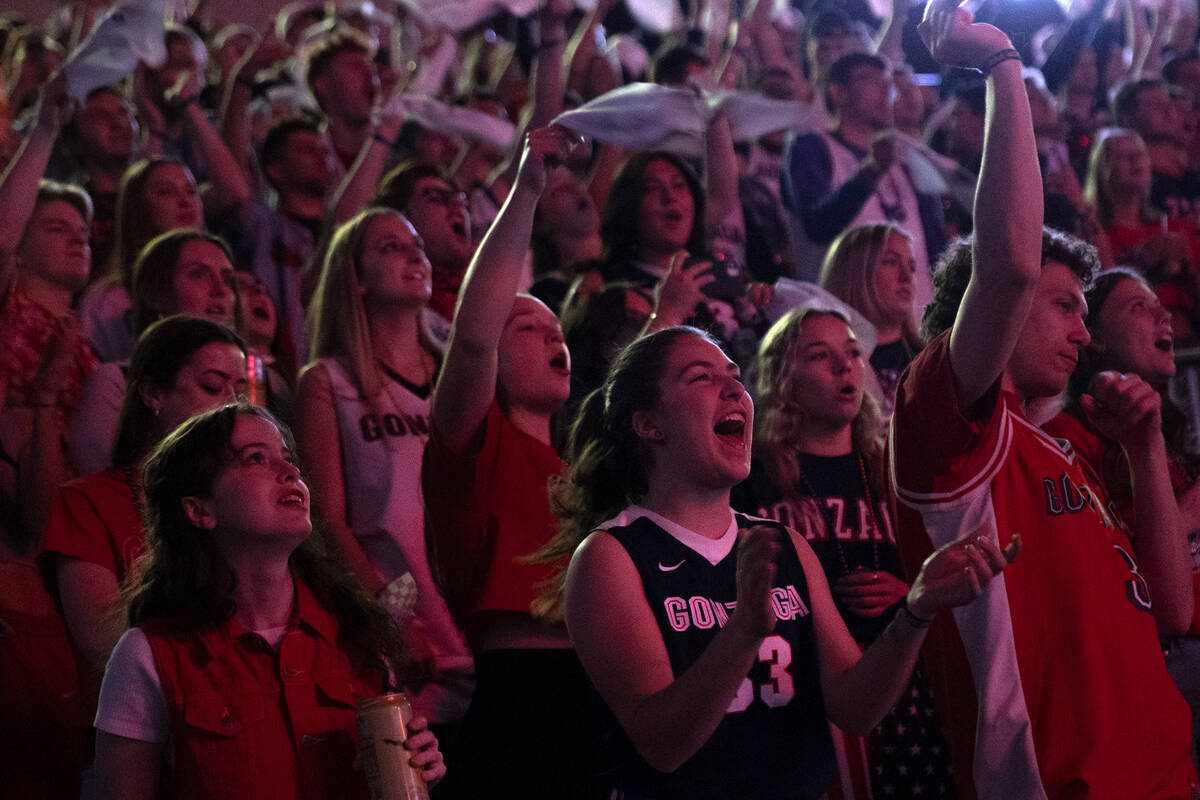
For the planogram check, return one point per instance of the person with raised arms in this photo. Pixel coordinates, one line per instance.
(1053, 684)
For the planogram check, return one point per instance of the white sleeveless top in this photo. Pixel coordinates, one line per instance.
(381, 471)
(893, 189)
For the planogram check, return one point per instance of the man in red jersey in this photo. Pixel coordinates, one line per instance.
(1053, 683)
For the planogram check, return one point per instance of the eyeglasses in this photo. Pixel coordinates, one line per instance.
(443, 197)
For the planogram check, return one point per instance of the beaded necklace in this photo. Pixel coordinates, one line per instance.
(831, 525)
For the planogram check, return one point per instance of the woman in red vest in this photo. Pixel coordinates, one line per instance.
(250, 647)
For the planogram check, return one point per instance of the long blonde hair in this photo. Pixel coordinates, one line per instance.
(848, 272)
(779, 419)
(1096, 190)
(337, 316)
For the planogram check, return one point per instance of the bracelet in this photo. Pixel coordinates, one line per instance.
(551, 43)
(999, 58)
(384, 140)
(32, 404)
(912, 619)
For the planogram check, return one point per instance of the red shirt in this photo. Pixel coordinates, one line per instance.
(249, 722)
(94, 519)
(1124, 238)
(25, 330)
(1094, 448)
(1062, 672)
(485, 510)
(44, 723)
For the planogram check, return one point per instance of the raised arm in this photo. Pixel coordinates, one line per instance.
(756, 23)
(888, 41)
(19, 186)
(548, 82)
(468, 381)
(237, 92)
(723, 208)
(357, 188)
(230, 180)
(1006, 251)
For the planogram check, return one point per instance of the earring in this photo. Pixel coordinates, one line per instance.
(659, 435)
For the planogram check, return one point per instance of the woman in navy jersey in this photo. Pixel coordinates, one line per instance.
(818, 468)
(712, 637)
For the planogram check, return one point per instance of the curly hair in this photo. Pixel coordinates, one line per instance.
(607, 458)
(953, 273)
(183, 576)
(779, 419)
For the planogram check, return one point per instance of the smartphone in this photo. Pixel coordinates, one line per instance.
(729, 284)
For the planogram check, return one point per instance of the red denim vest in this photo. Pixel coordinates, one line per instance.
(249, 722)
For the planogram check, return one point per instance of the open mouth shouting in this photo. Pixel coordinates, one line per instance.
(731, 429)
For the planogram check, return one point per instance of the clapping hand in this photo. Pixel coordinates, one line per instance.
(957, 573)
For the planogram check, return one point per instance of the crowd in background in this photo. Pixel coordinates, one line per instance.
(357, 224)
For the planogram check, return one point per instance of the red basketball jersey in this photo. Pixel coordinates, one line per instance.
(1063, 691)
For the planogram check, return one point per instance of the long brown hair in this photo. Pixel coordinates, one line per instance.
(607, 458)
(183, 577)
(163, 349)
(779, 420)
(133, 223)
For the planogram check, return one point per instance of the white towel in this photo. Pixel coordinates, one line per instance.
(128, 33)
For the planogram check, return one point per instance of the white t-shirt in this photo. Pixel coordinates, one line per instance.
(132, 702)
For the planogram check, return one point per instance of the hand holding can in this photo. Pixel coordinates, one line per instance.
(382, 730)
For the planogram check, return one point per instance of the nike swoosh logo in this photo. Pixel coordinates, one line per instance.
(665, 568)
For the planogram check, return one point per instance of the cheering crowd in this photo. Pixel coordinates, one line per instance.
(402, 349)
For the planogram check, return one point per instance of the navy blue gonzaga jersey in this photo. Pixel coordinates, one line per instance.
(774, 741)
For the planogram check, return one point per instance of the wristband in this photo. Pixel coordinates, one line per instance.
(551, 43)
(912, 619)
(384, 140)
(999, 58)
